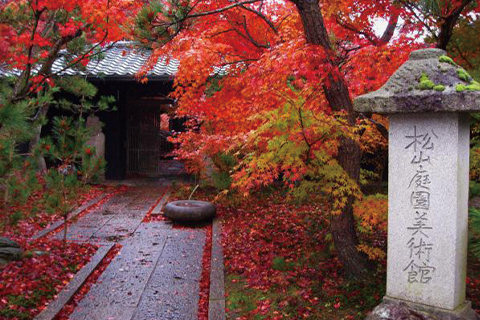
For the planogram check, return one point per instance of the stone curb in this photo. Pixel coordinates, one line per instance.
(73, 286)
(72, 215)
(216, 305)
(158, 208)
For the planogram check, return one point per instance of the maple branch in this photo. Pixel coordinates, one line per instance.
(413, 9)
(262, 16)
(390, 30)
(238, 61)
(255, 43)
(45, 70)
(220, 10)
(370, 37)
(246, 37)
(309, 146)
(220, 33)
(283, 20)
(22, 85)
(348, 50)
(299, 110)
(374, 40)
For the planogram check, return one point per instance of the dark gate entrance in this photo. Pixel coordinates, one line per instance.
(147, 132)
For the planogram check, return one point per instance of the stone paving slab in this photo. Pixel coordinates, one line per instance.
(116, 219)
(118, 290)
(182, 243)
(173, 290)
(145, 281)
(117, 228)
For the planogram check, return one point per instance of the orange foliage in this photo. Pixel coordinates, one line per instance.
(371, 212)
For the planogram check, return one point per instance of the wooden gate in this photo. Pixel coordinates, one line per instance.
(147, 143)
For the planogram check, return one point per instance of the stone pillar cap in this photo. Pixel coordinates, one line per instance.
(428, 82)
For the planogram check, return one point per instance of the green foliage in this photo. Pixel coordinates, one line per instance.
(426, 84)
(68, 139)
(213, 85)
(475, 227)
(475, 148)
(91, 168)
(73, 158)
(464, 45)
(298, 145)
(460, 87)
(69, 150)
(62, 186)
(160, 21)
(221, 180)
(17, 174)
(26, 97)
(280, 264)
(366, 176)
(473, 86)
(224, 164)
(474, 189)
(85, 93)
(15, 217)
(67, 147)
(240, 296)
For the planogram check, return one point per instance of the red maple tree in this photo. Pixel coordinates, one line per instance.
(283, 100)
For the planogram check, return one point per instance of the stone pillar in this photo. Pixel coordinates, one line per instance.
(427, 100)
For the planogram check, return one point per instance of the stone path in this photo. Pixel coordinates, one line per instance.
(157, 272)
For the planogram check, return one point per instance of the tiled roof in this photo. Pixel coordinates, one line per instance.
(118, 61)
(122, 61)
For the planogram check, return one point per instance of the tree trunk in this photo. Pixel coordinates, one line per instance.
(390, 30)
(446, 32)
(349, 154)
(35, 141)
(449, 22)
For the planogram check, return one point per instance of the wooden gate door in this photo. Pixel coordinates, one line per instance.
(147, 143)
